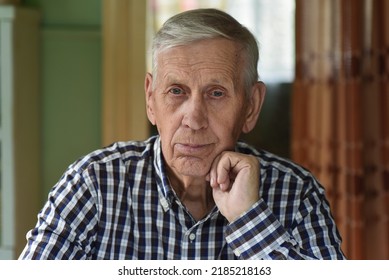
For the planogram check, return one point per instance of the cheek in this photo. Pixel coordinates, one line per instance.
(227, 123)
(163, 116)
(167, 124)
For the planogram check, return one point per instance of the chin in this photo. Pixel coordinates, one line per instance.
(192, 167)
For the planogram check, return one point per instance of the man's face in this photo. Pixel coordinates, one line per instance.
(197, 101)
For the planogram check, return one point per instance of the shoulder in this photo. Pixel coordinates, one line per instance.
(117, 153)
(107, 166)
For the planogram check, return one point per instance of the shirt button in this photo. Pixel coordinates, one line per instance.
(192, 236)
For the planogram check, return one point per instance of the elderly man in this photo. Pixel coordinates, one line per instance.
(194, 191)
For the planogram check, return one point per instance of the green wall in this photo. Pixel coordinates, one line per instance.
(71, 83)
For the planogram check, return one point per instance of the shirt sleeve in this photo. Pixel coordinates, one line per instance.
(67, 222)
(259, 234)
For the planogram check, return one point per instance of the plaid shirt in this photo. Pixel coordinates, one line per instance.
(116, 203)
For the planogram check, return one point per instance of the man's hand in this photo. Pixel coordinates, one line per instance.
(234, 178)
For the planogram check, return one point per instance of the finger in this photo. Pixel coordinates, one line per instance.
(212, 175)
(224, 169)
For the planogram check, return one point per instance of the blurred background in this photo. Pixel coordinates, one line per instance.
(71, 81)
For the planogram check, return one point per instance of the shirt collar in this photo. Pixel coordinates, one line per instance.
(165, 192)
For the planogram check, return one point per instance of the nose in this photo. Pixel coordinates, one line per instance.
(195, 113)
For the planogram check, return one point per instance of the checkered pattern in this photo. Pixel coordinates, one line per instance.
(116, 203)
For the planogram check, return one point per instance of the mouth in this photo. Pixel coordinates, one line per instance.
(192, 149)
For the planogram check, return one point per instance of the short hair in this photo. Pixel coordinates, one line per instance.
(195, 25)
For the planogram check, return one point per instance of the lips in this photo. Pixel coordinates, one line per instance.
(191, 149)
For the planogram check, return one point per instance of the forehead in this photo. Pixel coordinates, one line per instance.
(216, 57)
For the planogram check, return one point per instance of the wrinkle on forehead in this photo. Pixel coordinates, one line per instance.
(218, 58)
(177, 75)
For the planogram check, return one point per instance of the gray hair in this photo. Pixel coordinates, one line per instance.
(194, 25)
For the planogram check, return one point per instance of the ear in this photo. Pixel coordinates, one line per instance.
(258, 92)
(149, 98)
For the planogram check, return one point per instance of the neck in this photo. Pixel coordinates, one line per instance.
(194, 192)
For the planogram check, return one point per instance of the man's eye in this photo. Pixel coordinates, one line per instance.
(176, 91)
(217, 93)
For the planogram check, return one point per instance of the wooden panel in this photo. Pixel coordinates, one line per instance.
(124, 68)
